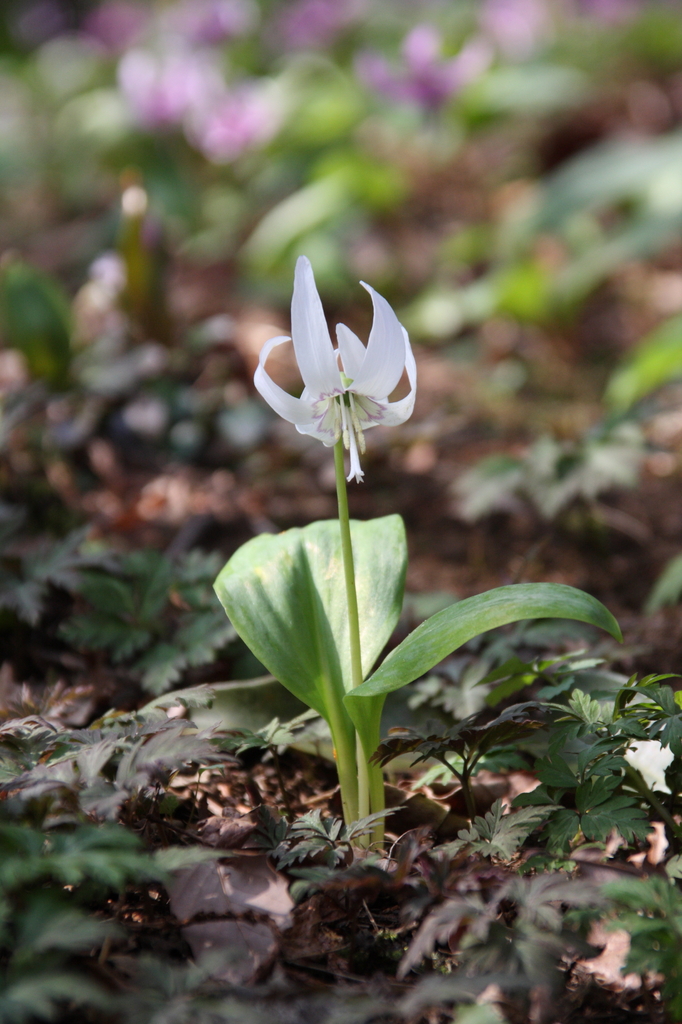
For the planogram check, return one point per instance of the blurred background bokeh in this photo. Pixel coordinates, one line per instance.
(508, 173)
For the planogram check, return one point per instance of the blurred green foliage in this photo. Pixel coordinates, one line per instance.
(35, 318)
(498, 202)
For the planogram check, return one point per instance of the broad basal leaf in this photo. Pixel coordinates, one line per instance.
(286, 597)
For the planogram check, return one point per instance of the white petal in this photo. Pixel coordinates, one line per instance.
(384, 359)
(326, 419)
(369, 412)
(312, 431)
(312, 344)
(352, 350)
(398, 412)
(295, 410)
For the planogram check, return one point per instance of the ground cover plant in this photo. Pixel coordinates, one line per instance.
(381, 788)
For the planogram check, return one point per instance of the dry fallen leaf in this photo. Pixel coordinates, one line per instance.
(249, 883)
(311, 935)
(227, 833)
(249, 947)
(658, 843)
(239, 885)
(244, 885)
(607, 967)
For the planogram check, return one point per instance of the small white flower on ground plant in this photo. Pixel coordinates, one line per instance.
(651, 759)
(346, 389)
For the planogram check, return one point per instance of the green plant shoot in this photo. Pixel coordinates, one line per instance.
(317, 605)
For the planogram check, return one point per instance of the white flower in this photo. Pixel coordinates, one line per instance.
(341, 399)
(651, 759)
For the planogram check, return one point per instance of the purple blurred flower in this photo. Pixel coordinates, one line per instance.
(314, 24)
(425, 78)
(516, 26)
(163, 90)
(38, 21)
(610, 11)
(207, 22)
(108, 271)
(244, 118)
(115, 24)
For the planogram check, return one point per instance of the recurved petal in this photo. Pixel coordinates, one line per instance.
(295, 410)
(398, 412)
(352, 350)
(312, 344)
(384, 359)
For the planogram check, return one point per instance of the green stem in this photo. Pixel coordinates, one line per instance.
(463, 777)
(377, 802)
(468, 793)
(353, 618)
(347, 772)
(363, 779)
(348, 567)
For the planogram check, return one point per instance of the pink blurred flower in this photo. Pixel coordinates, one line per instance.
(115, 24)
(425, 78)
(610, 11)
(516, 26)
(207, 22)
(163, 90)
(314, 24)
(243, 118)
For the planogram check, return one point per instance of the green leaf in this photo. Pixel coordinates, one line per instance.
(538, 797)
(154, 573)
(667, 588)
(285, 595)
(597, 791)
(25, 597)
(650, 909)
(193, 697)
(656, 360)
(274, 734)
(620, 813)
(107, 593)
(586, 708)
(447, 630)
(499, 834)
(202, 634)
(161, 666)
(49, 562)
(174, 858)
(515, 675)
(561, 829)
(195, 643)
(554, 771)
(135, 612)
(38, 996)
(36, 319)
(99, 631)
(671, 734)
